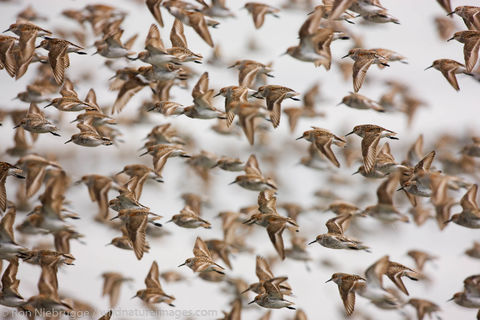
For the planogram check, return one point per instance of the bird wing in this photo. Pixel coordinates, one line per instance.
(470, 52)
(275, 230)
(154, 40)
(177, 35)
(58, 59)
(324, 144)
(375, 272)
(360, 68)
(369, 151)
(198, 23)
(136, 229)
(154, 7)
(274, 106)
(247, 75)
(386, 190)
(469, 201)
(200, 249)
(449, 74)
(347, 295)
(252, 167)
(262, 269)
(153, 277)
(337, 225)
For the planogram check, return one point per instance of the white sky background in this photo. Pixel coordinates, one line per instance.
(451, 111)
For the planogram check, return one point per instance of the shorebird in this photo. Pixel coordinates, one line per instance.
(9, 249)
(258, 12)
(247, 114)
(472, 149)
(28, 33)
(373, 289)
(474, 251)
(275, 225)
(58, 50)
(202, 107)
(194, 19)
(136, 221)
(384, 210)
(154, 293)
(272, 297)
(395, 271)
(9, 296)
(357, 101)
(112, 284)
(314, 45)
(233, 95)
(141, 173)
(363, 60)
(253, 179)
(35, 122)
(7, 169)
(7, 55)
(188, 218)
(424, 307)
(322, 139)
(471, 42)
(469, 14)
(202, 260)
(307, 110)
(249, 71)
(162, 152)
(371, 135)
(335, 238)
(230, 164)
(449, 68)
(470, 215)
(346, 284)
(89, 137)
(35, 168)
(274, 95)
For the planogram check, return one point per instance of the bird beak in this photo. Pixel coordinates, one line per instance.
(253, 301)
(299, 138)
(428, 68)
(450, 13)
(249, 221)
(341, 102)
(452, 38)
(171, 220)
(329, 280)
(233, 182)
(450, 299)
(312, 242)
(108, 244)
(401, 188)
(356, 172)
(6, 30)
(349, 133)
(217, 94)
(345, 56)
(181, 265)
(116, 217)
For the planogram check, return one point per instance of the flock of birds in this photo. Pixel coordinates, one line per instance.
(426, 179)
